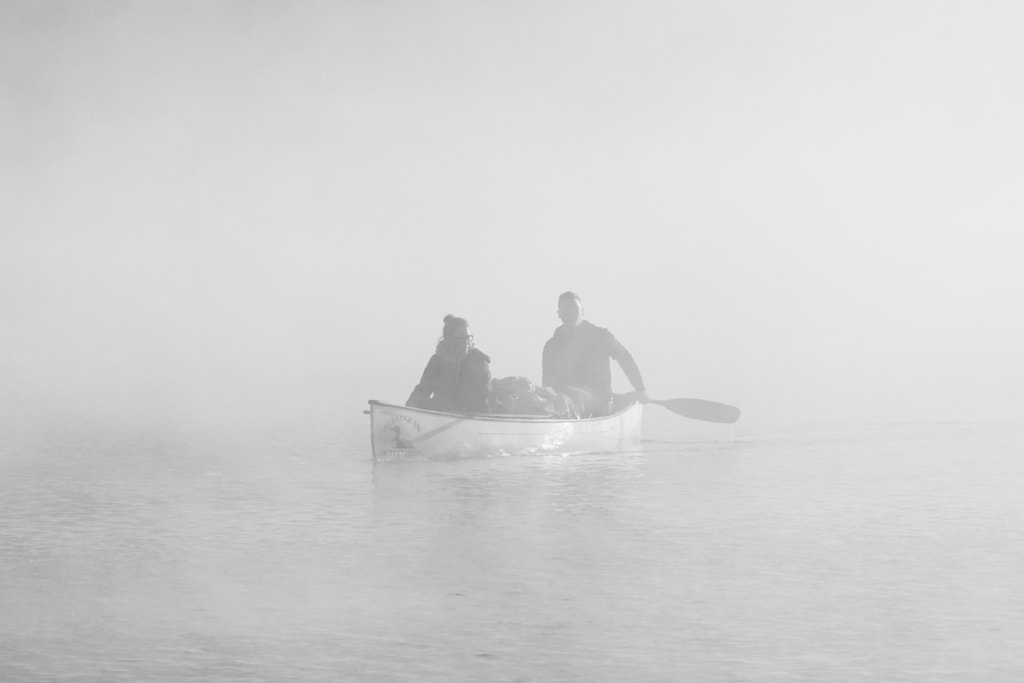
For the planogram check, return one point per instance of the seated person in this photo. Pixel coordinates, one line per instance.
(457, 378)
(576, 361)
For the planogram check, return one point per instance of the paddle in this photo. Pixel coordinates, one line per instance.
(699, 409)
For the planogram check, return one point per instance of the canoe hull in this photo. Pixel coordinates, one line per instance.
(399, 432)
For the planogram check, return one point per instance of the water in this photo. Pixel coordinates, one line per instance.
(277, 550)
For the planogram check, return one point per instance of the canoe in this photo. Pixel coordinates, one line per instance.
(399, 432)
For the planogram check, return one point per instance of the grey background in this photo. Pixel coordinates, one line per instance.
(800, 208)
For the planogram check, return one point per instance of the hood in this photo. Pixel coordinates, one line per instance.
(474, 354)
(562, 330)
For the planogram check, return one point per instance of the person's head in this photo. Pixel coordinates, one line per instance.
(456, 335)
(570, 308)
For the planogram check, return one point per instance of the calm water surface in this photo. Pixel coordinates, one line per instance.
(278, 551)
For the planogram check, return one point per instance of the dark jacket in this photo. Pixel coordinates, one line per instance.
(448, 387)
(579, 357)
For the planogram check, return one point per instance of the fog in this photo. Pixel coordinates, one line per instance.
(803, 209)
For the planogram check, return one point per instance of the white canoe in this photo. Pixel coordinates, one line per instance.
(398, 432)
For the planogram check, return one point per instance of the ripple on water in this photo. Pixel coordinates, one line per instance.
(856, 556)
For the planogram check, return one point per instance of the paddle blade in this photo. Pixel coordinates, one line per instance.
(699, 409)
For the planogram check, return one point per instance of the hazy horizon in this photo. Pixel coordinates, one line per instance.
(794, 208)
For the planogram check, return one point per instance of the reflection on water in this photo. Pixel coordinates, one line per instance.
(283, 552)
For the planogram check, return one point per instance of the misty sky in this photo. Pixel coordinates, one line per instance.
(790, 206)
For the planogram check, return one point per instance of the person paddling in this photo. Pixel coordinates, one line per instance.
(457, 378)
(576, 360)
